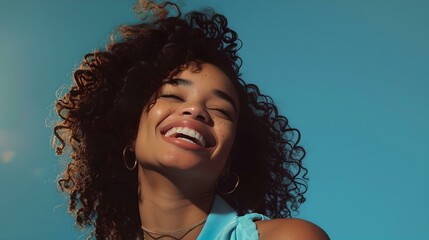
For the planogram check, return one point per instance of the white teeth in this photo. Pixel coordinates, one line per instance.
(188, 132)
(192, 132)
(187, 140)
(171, 132)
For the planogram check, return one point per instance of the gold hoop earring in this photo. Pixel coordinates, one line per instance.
(128, 154)
(226, 179)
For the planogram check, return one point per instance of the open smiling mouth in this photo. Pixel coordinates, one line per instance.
(187, 134)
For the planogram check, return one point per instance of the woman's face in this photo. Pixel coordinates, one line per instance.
(191, 125)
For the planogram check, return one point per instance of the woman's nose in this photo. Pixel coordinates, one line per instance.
(197, 112)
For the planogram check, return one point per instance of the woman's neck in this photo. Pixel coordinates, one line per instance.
(165, 207)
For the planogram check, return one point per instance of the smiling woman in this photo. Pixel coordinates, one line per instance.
(168, 142)
(190, 126)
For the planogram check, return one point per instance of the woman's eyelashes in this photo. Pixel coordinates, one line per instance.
(172, 96)
(223, 112)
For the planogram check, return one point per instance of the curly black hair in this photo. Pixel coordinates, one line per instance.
(99, 116)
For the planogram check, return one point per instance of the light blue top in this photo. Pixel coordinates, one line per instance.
(224, 224)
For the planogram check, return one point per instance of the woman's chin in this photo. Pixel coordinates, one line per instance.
(181, 164)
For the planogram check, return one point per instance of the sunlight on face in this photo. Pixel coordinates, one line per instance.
(192, 124)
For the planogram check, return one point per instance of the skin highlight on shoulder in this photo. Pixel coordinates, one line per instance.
(290, 229)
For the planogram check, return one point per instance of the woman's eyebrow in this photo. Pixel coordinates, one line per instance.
(216, 92)
(178, 82)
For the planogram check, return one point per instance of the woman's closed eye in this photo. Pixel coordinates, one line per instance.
(223, 112)
(172, 96)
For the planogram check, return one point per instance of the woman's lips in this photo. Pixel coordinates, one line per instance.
(184, 143)
(188, 133)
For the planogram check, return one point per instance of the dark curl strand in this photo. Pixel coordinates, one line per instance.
(100, 113)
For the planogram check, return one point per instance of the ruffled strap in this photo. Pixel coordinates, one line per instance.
(221, 216)
(224, 224)
(246, 227)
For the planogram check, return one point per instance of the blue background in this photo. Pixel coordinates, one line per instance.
(353, 76)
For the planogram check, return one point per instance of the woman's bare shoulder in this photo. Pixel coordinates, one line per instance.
(290, 229)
